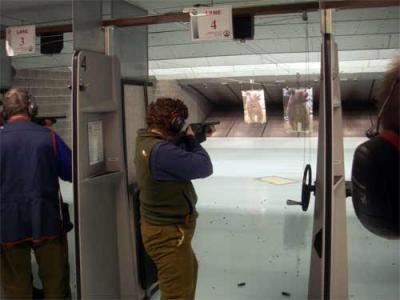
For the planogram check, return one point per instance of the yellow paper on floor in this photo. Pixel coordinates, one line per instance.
(276, 180)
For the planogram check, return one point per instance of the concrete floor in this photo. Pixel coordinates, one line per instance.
(247, 234)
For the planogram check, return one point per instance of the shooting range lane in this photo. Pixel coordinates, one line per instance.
(232, 125)
(247, 234)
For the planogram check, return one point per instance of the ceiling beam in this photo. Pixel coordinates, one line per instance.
(256, 10)
(54, 28)
(149, 20)
(353, 4)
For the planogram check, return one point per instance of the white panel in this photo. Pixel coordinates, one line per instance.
(170, 38)
(366, 14)
(168, 27)
(130, 43)
(135, 112)
(394, 42)
(366, 27)
(363, 42)
(20, 14)
(87, 31)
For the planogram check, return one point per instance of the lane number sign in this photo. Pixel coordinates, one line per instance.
(20, 40)
(211, 23)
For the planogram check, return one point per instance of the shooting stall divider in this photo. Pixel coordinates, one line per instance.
(105, 246)
(105, 236)
(328, 268)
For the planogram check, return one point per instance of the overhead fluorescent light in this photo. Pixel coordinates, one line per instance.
(283, 69)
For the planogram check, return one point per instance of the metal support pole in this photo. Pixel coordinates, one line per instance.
(328, 269)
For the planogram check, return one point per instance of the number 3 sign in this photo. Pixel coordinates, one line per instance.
(20, 40)
(211, 23)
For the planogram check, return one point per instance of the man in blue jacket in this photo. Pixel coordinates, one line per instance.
(165, 169)
(32, 158)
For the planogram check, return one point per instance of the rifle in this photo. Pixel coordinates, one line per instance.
(47, 121)
(201, 130)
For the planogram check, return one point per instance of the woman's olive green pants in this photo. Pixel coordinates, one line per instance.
(170, 248)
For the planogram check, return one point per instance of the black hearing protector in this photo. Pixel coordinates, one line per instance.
(177, 122)
(375, 181)
(32, 107)
(375, 187)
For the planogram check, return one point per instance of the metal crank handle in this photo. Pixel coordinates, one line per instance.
(292, 202)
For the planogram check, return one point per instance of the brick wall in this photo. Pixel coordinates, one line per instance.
(52, 95)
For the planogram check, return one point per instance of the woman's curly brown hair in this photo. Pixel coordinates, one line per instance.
(390, 77)
(159, 113)
(390, 88)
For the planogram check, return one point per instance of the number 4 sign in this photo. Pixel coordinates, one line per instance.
(211, 23)
(20, 40)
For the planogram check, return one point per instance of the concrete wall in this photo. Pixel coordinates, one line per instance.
(135, 111)
(199, 107)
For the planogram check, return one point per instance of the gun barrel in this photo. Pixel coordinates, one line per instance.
(52, 117)
(42, 120)
(206, 123)
(213, 123)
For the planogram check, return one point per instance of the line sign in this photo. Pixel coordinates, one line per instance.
(211, 23)
(20, 40)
